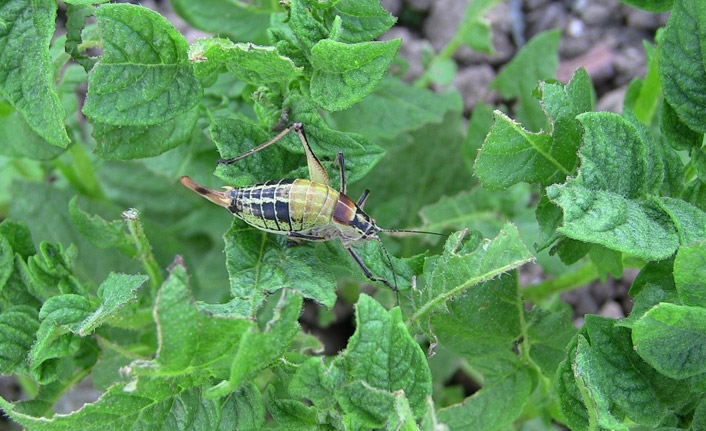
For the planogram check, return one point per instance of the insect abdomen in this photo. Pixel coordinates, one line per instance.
(285, 205)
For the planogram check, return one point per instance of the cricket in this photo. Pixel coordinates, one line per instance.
(304, 210)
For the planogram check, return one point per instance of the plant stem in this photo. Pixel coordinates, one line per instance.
(144, 249)
(569, 281)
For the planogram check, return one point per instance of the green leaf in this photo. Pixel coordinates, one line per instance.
(605, 203)
(475, 29)
(260, 263)
(307, 29)
(537, 60)
(18, 326)
(678, 134)
(382, 354)
(395, 107)
(690, 273)
(190, 339)
(18, 138)
(77, 314)
(464, 264)
(147, 84)
(543, 157)
(135, 142)
(361, 20)
(259, 348)
(511, 154)
(51, 346)
(249, 63)
(494, 407)
(651, 5)
(603, 377)
(345, 73)
(689, 220)
(26, 73)
(365, 403)
(492, 307)
(671, 338)
(100, 232)
(480, 209)
(18, 236)
(681, 62)
(549, 333)
(76, 14)
(154, 403)
(7, 261)
(236, 20)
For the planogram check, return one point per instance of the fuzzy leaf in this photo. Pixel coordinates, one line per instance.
(382, 354)
(345, 73)
(678, 134)
(18, 138)
(689, 220)
(672, 339)
(7, 261)
(260, 263)
(494, 407)
(151, 404)
(606, 203)
(18, 326)
(191, 340)
(143, 77)
(258, 349)
(464, 264)
(78, 315)
(26, 72)
(512, 154)
(100, 232)
(135, 142)
(690, 273)
(361, 20)
(249, 63)
(681, 62)
(18, 237)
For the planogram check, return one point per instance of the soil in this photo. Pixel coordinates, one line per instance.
(604, 36)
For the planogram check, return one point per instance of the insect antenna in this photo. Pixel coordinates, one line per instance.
(411, 231)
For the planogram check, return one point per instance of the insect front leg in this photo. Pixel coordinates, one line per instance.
(366, 270)
(363, 198)
(342, 167)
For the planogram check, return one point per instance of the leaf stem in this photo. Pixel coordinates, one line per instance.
(144, 249)
(568, 281)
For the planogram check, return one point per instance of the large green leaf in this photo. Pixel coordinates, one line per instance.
(681, 62)
(144, 76)
(236, 20)
(26, 70)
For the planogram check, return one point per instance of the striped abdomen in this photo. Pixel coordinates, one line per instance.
(285, 205)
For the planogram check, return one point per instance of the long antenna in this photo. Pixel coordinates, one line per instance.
(411, 231)
(392, 268)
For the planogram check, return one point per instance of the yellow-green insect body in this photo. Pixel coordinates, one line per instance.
(299, 208)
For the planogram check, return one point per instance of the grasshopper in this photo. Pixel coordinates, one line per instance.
(309, 210)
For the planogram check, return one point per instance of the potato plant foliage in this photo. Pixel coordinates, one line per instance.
(187, 319)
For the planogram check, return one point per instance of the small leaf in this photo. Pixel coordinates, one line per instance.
(681, 62)
(690, 273)
(672, 339)
(382, 354)
(678, 134)
(18, 138)
(307, 29)
(77, 314)
(26, 73)
(689, 220)
(144, 76)
(345, 73)
(249, 63)
(53, 344)
(7, 261)
(18, 236)
(361, 20)
(100, 232)
(475, 29)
